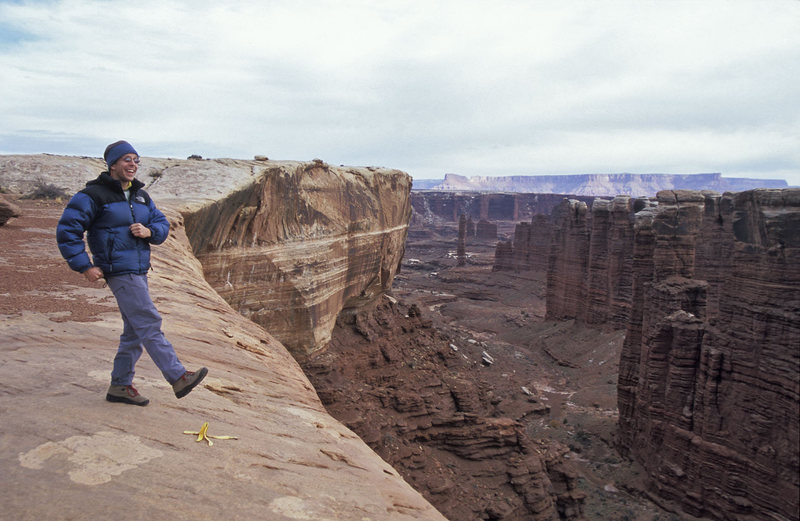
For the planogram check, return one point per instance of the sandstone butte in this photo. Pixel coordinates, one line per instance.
(327, 238)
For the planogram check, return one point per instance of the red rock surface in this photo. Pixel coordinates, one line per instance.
(709, 394)
(69, 454)
(707, 288)
(568, 261)
(432, 410)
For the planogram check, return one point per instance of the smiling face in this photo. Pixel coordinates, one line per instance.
(124, 170)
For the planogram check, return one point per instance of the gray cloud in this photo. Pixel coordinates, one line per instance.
(470, 87)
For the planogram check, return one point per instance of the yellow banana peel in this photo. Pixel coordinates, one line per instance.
(203, 435)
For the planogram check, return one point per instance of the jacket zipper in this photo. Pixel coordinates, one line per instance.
(131, 195)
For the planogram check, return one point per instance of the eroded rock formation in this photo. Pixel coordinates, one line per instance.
(436, 206)
(427, 407)
(708, 391)
(303, 242)
(587, 255)
(706, 286)
(568, 260)
(8, 210)
(461, 250)
(288, 244)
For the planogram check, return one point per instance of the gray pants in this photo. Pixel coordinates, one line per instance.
(141, 327)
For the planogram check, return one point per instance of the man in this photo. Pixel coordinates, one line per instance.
(121, 222)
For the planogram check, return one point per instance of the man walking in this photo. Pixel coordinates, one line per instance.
(121, 221)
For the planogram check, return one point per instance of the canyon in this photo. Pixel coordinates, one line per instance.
(485, 373)
(706, 288)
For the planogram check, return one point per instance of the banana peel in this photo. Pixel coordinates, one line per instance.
(203, 435)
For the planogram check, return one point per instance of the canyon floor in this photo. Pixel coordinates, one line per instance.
(571, 369)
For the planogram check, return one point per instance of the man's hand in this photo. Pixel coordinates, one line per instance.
(93, 274)
(140, 230)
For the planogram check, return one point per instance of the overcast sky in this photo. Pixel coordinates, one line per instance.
(430, 87)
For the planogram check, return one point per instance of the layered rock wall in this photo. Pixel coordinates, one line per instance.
(435, 207)
(708, 387)
(706, 286)
(302, 243)
(568, 261)
(587, 255)
(608, 276)
(69, 454)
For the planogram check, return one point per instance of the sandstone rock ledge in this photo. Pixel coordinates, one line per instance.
(66, 453)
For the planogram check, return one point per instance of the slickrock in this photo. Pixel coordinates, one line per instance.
(288, 244)
(61, 439)
(67, 453)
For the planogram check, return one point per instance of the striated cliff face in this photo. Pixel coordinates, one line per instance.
(431, 207)
(288, 244)
(708, 390)
(587, 255)
(302, 243)
(568, 259)
(706, 287)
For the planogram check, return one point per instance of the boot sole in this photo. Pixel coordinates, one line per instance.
(122, 399)
(186, 390)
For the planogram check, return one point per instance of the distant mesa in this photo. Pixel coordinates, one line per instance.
(597, 184)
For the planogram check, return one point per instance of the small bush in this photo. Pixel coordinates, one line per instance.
(43, 190)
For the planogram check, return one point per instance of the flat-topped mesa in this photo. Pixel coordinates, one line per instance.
(302, 243)
(708, 387)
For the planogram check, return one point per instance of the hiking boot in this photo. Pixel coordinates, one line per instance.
(188, 381)
(125, 394)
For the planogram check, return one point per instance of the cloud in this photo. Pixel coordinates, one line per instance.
(477, 88)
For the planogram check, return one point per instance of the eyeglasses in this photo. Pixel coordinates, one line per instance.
(131, 160)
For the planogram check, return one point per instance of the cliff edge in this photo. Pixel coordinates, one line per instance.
(63, 444)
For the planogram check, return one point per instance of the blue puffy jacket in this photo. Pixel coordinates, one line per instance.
(102, 211)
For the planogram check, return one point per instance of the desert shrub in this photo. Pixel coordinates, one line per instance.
(583, 437)
(44, 190)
